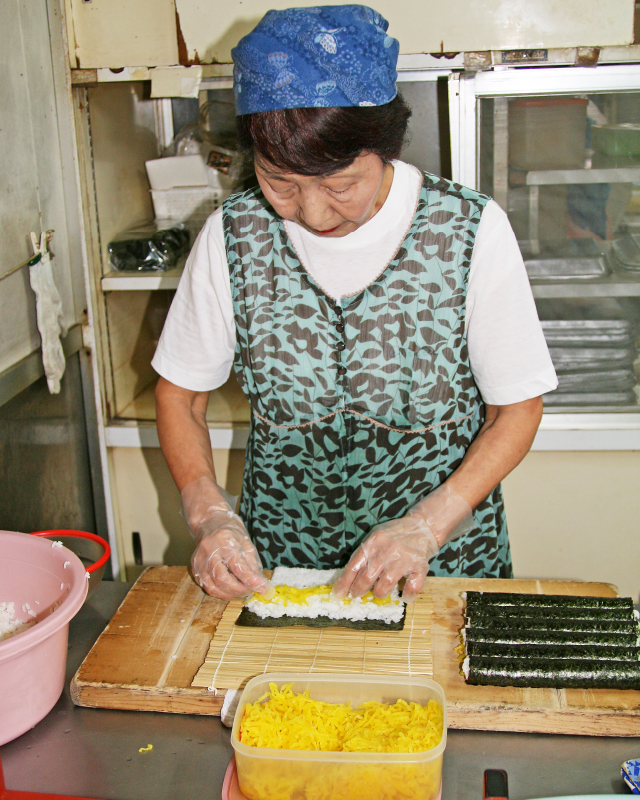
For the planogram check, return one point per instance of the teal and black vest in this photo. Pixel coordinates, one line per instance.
(360, 407)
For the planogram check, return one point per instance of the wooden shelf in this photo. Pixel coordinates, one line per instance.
(554, 177)
(613, 285)
(115, 281)
(228, 418)
(228, 407)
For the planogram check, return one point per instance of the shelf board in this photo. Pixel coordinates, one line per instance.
(228, 417)
(115, 281)
(611, 286)
(227, 407)
(614, 285)
(552, 177)
(130, 433)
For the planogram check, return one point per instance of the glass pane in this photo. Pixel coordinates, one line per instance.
(423, 147)
(44, 458)
(566, 169)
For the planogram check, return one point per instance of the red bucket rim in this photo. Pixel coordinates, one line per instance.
(82, 535)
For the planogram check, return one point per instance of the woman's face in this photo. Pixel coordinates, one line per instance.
(328, 205)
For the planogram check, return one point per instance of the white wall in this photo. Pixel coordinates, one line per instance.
(33, 190)
(577, 516)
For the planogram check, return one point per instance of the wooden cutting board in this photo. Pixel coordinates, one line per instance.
(148, 655)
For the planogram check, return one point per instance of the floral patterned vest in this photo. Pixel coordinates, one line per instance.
(360, 407)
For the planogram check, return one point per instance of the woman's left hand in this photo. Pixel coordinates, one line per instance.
(395, 549)
(402, 548)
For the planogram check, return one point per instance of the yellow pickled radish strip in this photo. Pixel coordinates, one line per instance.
(293, 721)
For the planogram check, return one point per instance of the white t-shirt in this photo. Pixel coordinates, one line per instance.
(507, 351)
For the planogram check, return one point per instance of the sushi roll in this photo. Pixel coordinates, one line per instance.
(475, 599)
(540, 637)
(479, 613)
(557, 624)
(541, 673)
(553, 652)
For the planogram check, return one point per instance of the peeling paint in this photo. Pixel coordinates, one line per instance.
(183, 54)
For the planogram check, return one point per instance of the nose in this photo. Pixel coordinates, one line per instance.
(313, 208)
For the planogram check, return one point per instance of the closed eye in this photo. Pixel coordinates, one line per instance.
(282, 188)
(338, 191)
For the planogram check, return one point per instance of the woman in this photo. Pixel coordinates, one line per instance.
(380, 322)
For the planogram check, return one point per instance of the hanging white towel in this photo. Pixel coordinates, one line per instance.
(49, 316)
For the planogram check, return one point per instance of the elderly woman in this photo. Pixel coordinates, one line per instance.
(379, 321)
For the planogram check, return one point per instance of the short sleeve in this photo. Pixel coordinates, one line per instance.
(509, 357)
(197, 344)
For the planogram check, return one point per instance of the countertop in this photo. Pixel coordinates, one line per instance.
(95, 753)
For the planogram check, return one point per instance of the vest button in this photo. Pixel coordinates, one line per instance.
(340, 346)
(338, 311)
(342, 370)
(340, 328)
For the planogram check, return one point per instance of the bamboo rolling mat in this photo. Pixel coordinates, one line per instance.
(237, 654)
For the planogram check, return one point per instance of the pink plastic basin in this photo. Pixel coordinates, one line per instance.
(33, 663)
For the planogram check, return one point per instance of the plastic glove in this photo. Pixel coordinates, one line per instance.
(225, 562)
(403, 547)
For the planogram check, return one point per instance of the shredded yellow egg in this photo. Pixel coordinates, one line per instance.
(290, 594)
(297, 722)
(285, 720)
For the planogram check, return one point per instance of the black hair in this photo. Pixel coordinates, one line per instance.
(321, 141)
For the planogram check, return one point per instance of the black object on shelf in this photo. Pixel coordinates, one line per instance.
(153, 247)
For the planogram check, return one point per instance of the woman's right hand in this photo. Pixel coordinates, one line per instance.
(225, 562)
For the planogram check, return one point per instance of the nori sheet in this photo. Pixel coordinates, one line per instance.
(534, 673)
(564, 638)
(552, 652)
(556, 624)
(480, 612)
(475, 599)
(248, 619)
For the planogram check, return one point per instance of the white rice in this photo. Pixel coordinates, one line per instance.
(9, 626)
(322, 605)
(465, 668)
(302, 578)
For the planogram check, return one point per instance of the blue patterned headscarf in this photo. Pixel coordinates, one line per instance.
(321, 56)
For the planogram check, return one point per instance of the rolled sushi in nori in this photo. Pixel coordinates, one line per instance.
(539, 673)
(475, 599)
(514, 636)
(479, 613)
(552, 652)
(556, 624)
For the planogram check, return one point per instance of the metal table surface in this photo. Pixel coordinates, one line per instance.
(95, 753)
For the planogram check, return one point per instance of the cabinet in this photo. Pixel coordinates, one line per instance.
(533, 139)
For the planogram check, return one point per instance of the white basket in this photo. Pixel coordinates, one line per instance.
(191, 205)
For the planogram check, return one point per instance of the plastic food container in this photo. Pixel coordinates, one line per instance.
(188, 204)
(268, 774)
(616, 140)
(52, 581)
(547, 133)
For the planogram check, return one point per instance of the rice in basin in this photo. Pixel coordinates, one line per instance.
(306, 593)
(9, 625)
